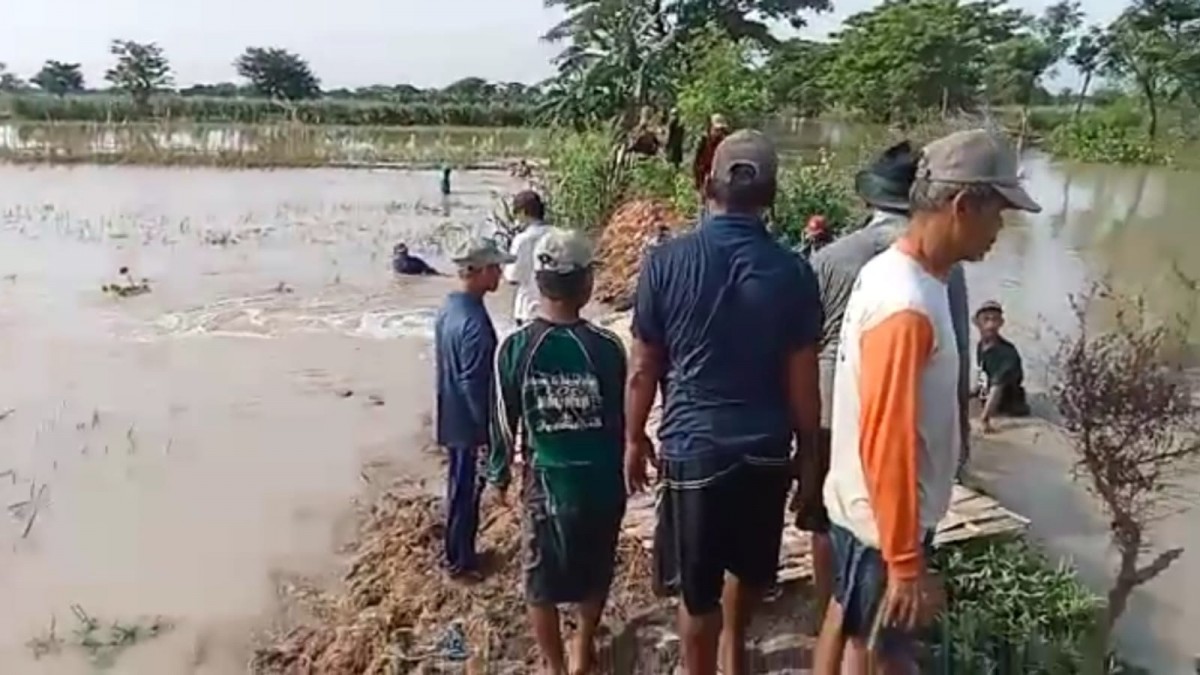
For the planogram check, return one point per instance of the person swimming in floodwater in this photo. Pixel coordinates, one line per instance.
(446, 182)
(404, 263)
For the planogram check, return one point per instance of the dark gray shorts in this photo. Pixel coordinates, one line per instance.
(569, 558)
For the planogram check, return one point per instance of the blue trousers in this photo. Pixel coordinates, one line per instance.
(464, 488)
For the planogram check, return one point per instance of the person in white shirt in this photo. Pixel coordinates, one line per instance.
(531, 212)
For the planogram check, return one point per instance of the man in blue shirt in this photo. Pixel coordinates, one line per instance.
(466, 346)
(728, 322)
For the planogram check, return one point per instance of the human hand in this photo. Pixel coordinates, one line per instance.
(912, 603)
(639, 454)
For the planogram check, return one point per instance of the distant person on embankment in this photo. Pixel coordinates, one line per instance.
(1002, 385)
(445, 182)
(405, 263)
(530, 213)
(675, 139)
(465, 342)
(718, 130)
(895, 440)
(560, 390)
(727, 321)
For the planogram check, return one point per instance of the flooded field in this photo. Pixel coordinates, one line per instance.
(185, 452)
(201, 443)
(168, 144)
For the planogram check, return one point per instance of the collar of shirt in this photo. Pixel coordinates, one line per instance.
(465, 298)
(740, 223)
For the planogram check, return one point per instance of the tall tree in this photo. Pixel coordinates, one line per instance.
(141, 69)
(617, 61)
(1156, 44)
(278, 73)
(59, 78)
(470, 89)
(795, 71)
(1087, 58)
(738, 18)
(906, 56)
(9, 82)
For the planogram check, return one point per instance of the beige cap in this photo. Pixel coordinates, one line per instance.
(717, 121)
(977, 156)
(747, 149)
(562, 251)
(480, 252)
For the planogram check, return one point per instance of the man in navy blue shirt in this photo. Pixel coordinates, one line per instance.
(727, 321)
(466, 346)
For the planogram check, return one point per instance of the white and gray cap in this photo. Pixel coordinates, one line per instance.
(480, 252)
(563, 251)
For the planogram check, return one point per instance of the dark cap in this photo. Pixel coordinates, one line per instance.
(745, 156)
(529, 203)
(885, 184)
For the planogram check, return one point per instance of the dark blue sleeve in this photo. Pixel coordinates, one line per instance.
(647, 320)
(805, 316)
(424, 268)
(477, 349)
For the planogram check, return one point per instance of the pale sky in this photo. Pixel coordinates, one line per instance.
(349, 43)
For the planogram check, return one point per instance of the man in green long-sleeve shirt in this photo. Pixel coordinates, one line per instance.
(560, 389)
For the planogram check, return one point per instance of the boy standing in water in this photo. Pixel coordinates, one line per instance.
(560, 388)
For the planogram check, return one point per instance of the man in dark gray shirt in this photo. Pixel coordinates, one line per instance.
(884, 187)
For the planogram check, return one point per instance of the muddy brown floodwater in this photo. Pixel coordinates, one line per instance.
(201, 443)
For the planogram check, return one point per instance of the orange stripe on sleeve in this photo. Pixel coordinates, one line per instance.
(893, 356)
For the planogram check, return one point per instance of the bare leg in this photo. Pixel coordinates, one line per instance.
(583, 649)
(830, 644)
(546, 632)
(857, 659)
(738, 603)
(822, 557)
(698, 636)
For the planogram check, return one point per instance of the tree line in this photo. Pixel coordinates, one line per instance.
(142, 70)
(894, 62)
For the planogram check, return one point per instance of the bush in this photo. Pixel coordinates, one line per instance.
(1009, 611)
(584, 181)
(1111, 135)
(809, 190)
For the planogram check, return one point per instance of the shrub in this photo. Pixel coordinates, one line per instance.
(1009, 611)
(809, 190)
(1111, 135)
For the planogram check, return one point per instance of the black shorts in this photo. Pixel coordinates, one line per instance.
(809, 502)
(569, 558)
(734, 524)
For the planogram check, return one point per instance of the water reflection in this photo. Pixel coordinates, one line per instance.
(1129, 226)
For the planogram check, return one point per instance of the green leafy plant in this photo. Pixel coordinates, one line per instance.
(719, 78)
(1010, 611)
(813, 189)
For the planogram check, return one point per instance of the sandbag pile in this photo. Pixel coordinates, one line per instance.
(623, 243)
(398, 613)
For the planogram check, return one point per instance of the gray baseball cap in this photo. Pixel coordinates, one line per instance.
(747, 149)
(480, 252)
(562, 251)
(976, 156)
